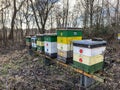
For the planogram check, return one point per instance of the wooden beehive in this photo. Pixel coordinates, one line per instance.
(64, 43)
(34, 41)
(40, 43)
(118, 36)
(50, 45)
(87, 55)
(28, 40)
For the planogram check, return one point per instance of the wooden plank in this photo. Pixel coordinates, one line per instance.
(97, 78)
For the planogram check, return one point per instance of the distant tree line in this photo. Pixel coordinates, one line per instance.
(96, 17)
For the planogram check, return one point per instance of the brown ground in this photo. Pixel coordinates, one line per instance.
(20, 71)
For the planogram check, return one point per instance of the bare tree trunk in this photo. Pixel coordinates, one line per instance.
(26, 17)
(117, 14)
(35, 15)
(108, 14)
(11, 36)
(15, 10)
(86, 13)
(3, 28)
(67, 10)
(102, 16)
(20, 36)
(91, 13)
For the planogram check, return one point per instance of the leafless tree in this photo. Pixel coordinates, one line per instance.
(35, 15)
(4, 5)
(15, 11)
(41, 9)
(117, 13)
(58, 15)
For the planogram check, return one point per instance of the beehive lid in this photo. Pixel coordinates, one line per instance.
(118, 35)
(39, 34)
(50, 34)
(97, 39)
(69, 28)
(28, 36)
(69, 32)
(89, 43)
(33, 37)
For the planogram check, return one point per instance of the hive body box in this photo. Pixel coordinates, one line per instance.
(118, 36)
(34, 41)
(64, 43)
(50, 45)
(87, 55)
(28, 41)
(40, 43)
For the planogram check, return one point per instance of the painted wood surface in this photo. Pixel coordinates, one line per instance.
(87, 51)
(65, 47)
(87, 60)
(67, 40)
(50, 47)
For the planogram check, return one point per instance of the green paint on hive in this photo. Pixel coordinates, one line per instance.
(69, 33)
(28, 39)
(88, 69)
(51, 38)
(40, 38)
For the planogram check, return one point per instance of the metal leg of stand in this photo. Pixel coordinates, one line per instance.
(46, 61)
(30, 52)
(86, 82)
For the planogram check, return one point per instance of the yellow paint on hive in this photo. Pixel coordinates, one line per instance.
(60, 53)
(118, 34)
(64, 53)
(88, 60)
(67, 40)
(39, 43)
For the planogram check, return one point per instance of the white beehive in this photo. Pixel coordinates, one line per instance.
(89, 47)
(50, 47)
(87, 55)
(33, 40)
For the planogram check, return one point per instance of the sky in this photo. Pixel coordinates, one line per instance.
(72, 3)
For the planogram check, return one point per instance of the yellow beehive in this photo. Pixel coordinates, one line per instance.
(65, 54)
(119, 36)
(40, 43)
(88, 60)
(67, 40)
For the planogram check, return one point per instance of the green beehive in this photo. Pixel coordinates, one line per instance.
(33, 42)
(68, 33)
(28, 40)
(50, 38)
(87, 55)
(40, 43)
(64, 43)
